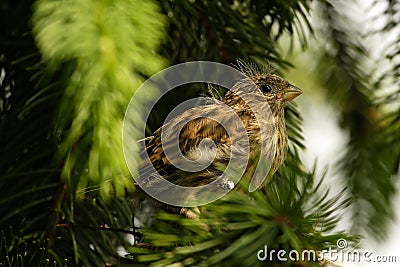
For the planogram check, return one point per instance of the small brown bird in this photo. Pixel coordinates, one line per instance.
(210, 133)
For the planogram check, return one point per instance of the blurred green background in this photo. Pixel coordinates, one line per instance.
(69, 68)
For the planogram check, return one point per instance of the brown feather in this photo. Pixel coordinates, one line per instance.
(195, 129)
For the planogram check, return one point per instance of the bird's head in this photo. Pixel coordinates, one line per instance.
(260, 81)
(276, 89)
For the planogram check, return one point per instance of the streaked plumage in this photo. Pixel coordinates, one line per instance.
(272, 88)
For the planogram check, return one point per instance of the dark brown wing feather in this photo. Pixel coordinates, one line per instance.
(192, 133)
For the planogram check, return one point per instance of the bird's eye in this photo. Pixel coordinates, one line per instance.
(265, 88)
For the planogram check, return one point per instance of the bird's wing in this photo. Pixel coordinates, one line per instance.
(223, 133)
(186, 131)
(203, 133)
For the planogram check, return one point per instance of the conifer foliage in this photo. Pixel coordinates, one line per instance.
(67, 72)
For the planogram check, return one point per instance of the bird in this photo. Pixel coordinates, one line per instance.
(209, 134)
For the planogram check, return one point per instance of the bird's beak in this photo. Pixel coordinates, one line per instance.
(292, 92)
